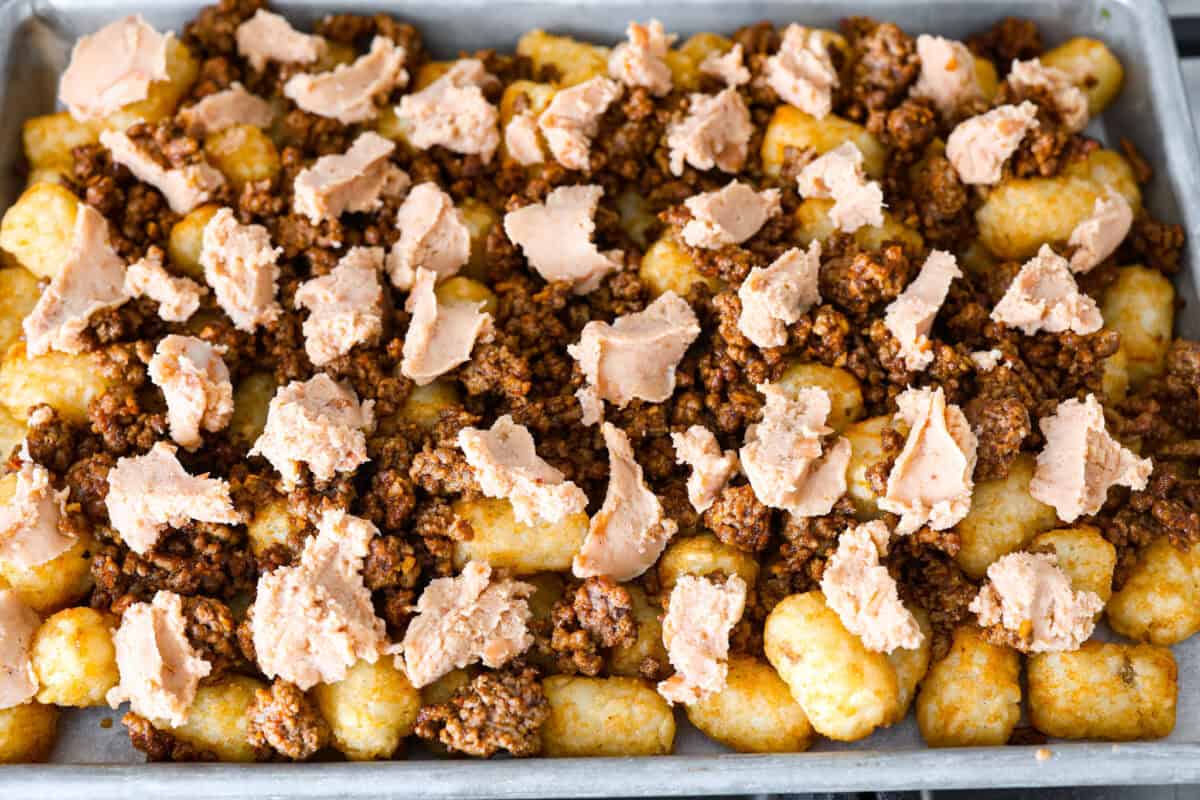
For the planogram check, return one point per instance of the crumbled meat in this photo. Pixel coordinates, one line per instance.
(740, 519)
(159, 745)
(495, 711)
(282, 718)
(596, 616)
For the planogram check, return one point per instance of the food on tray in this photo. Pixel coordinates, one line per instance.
(797, 377)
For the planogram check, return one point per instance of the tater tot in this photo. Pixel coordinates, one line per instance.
(574, 60)
(1140, 305)
(68, 382)
(60, 582)
(754, 713)
(218, 719)
(27, 733)
(814, 222)
(1092, 67)
(74, 658)
(371, 710)
(791, 127)
(19, 293)
(703, 554)
(505, 543)
(1019, 215)
(1087, 558)
(972, 697)
(1115, 692)
(866, 450)
(606, 717)
(846, 690)
(911, 665)
(1004, 517)
(666, 266)
(1160, 601)
(627, 659)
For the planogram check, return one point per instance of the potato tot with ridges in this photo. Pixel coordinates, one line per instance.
(812, 218)
(686, 59)
(425, 404)
(846, 690)
(49, 139)
(12, 434)
(1103, 690)
(1160, 601)
(507, 544)
(972, 697)
(27, 733)
(605, 717)
(666, 266)
(371, 710)
(912, 665)
(1092, 67)
(185, 241)
(251, 401)
(274, 524)
(37, 229)
(479, 219)
(575, 61)
(703, 554)
(61, 581)
(1140, 305)
(1004, 517)
(1087, 558)
(791, 127)
(844, 390)
(1115, 382)
(463, 289)
(1020, 215)
(866, 450)
(218, 719)
(243, 154)
(627, 659)
(66, 382)
(74, 658)
(19, 293)
(754, 713)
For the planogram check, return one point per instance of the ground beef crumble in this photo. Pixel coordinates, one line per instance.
(282, 719)
(502, 710)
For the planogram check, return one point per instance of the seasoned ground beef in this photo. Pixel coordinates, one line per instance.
(591, 618)
(282, 719)
(738, 518)
(212, 631)
(885, 64)
(158, 745)
(501, 710)
(1009, 39)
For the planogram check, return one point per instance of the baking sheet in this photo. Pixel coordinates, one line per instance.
(35, 37)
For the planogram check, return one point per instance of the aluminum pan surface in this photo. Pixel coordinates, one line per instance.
(35, 36)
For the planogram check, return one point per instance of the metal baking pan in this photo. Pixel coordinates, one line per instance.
(97, 763)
